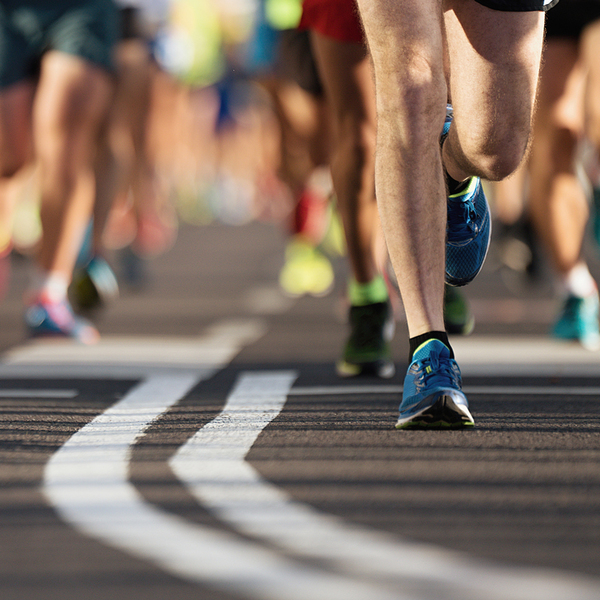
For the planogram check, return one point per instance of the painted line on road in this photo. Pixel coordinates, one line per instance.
(212, 465)
(29, 393)
(87, 482)
(117, 357)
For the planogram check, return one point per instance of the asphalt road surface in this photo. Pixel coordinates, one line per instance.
(206, 450)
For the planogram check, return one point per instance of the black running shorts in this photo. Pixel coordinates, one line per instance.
(28, 28)
(518, 5)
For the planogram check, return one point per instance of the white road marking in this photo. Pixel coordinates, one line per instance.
(31, 393)
(212, 466)
(87, 480)
(87, 483)
(117, 357)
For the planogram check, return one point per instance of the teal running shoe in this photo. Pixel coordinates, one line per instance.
(468, 228)
(432, 396)
(367, 351)
(578, 321)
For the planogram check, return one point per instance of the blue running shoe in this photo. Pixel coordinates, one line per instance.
(468, 229)
(432, 396)
(578, 321)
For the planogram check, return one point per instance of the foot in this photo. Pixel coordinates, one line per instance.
(367, 351)
(578, 321)
(56, 319)
(432, 396)
(468, 228)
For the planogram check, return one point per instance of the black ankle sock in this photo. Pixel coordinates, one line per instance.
(417, 341)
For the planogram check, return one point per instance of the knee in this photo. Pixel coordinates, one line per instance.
(499, 165)
(415, 90)
(497, 158)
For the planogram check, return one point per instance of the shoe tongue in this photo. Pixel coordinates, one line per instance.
(430, 347)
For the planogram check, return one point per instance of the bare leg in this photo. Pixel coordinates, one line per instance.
(70, 104)
(347, 79)
(558, 203)
(406, 44)
(15, 146)
(590, 50)
(16, 104)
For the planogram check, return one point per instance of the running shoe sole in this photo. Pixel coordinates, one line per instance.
(438, 412)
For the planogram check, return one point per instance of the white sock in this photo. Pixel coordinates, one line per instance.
(579, 282)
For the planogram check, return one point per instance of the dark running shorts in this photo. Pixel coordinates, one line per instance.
(28, 28)
(571, 17)
(519, 5)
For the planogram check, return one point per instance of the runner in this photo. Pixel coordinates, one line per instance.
(486, 58)
(125, 171)
(55, 87)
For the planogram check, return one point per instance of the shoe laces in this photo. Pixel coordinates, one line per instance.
(461, 217)
(433, 372)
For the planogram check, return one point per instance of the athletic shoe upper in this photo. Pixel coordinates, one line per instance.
(578, 321)
(468, 228)
(432, 396)
(367, 351)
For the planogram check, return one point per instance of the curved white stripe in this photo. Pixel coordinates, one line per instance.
(87, 479)
(87, 482)
(212, 465)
